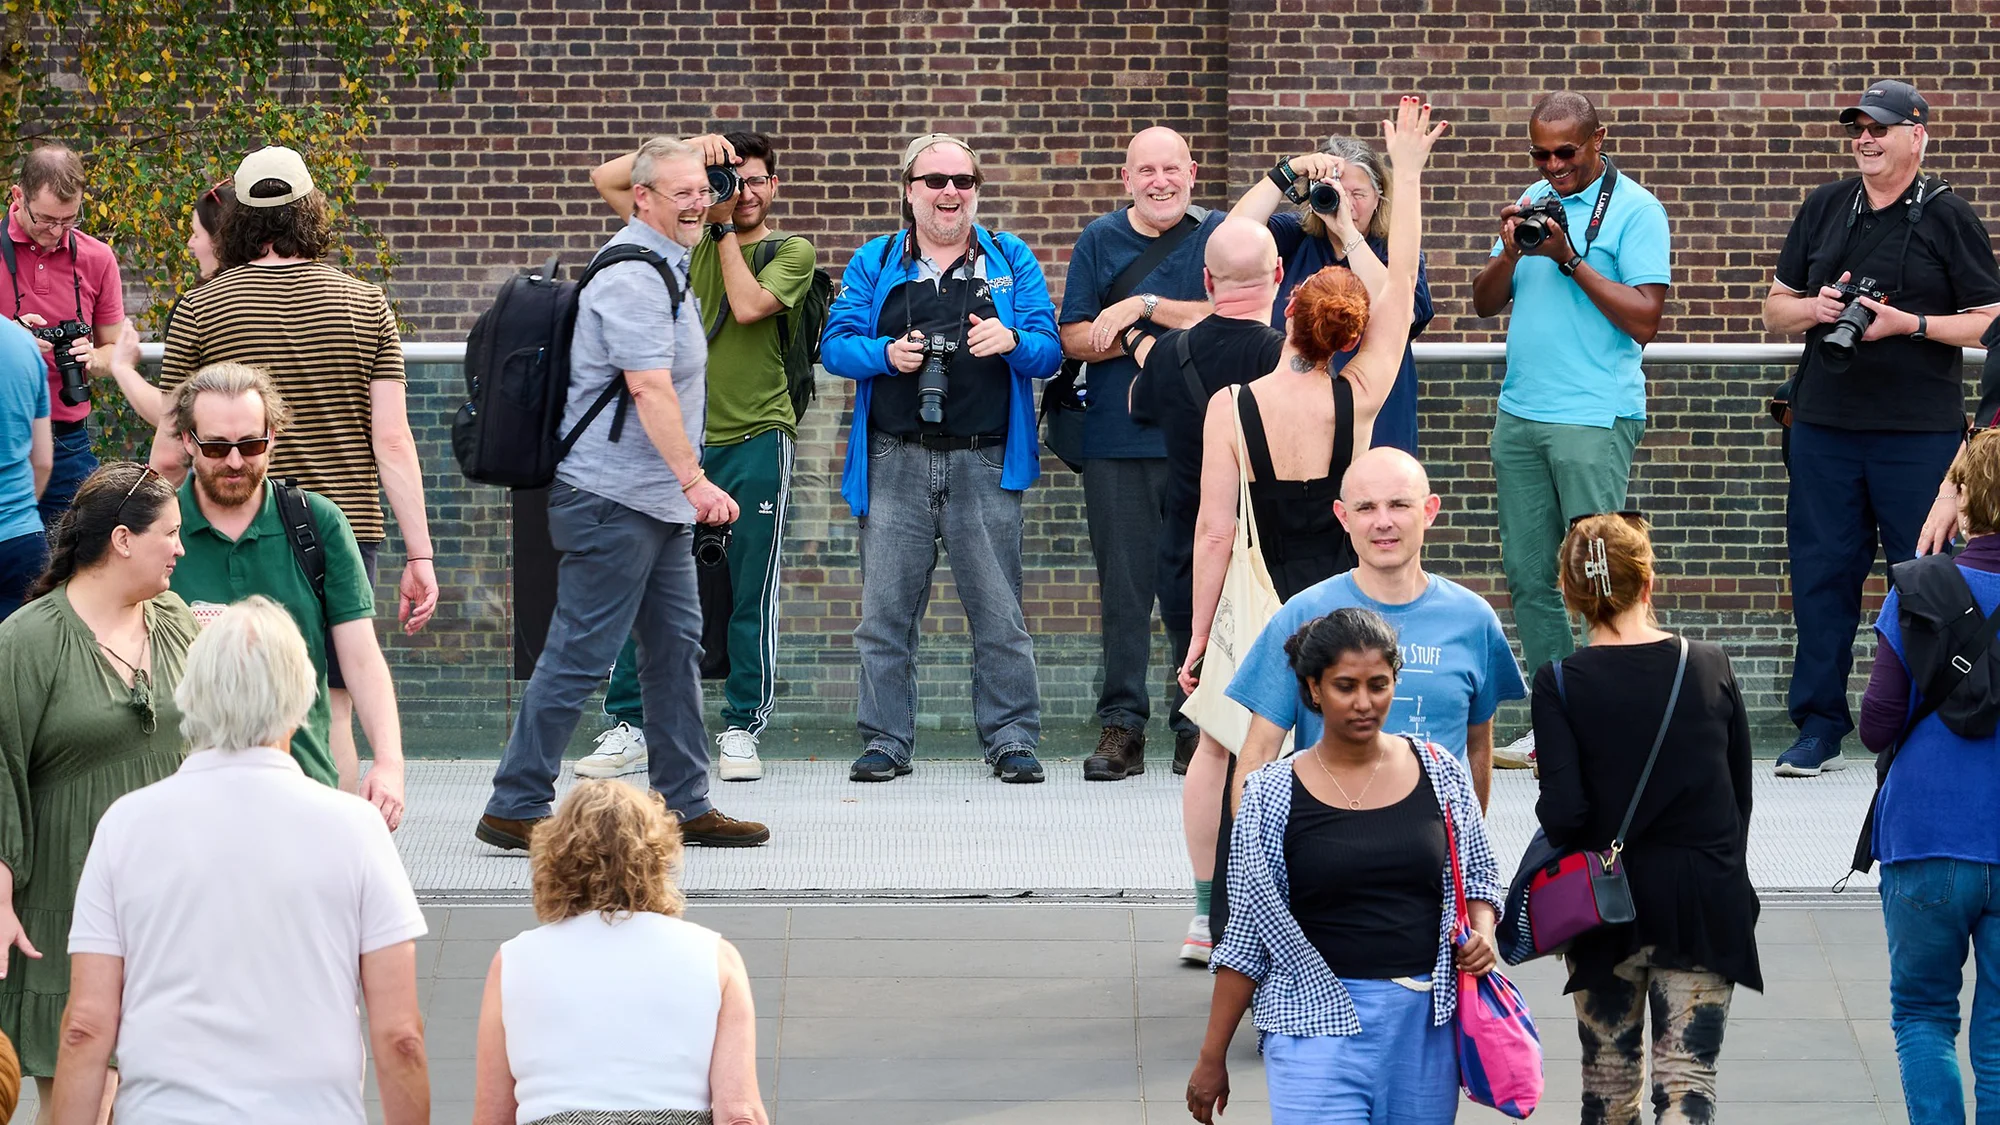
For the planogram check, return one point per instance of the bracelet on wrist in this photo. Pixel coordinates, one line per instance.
(699, 476)
(419, 558)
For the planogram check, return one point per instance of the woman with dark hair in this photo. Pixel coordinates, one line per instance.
(205, 227)
(1694, 939)
(1354, 233)
(1343, 940)
(87, 675)
(1302, 424)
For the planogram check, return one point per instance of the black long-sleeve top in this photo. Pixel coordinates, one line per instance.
(1686, 854)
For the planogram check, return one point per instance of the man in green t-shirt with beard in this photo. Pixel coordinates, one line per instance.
(748, 448)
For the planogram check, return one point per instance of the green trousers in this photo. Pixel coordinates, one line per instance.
(1547, 474)
(757, 473)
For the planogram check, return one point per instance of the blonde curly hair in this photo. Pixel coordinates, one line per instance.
(610, 848)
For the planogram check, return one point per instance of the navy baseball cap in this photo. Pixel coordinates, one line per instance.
(1891, 103)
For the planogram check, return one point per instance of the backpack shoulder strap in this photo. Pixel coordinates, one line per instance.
(303, 534)
(632, 252)
(1184, 352)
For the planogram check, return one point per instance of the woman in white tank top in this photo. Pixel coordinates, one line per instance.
(615, 1011)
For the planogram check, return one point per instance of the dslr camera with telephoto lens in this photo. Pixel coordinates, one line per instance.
(711, 543)
(1535, 220)
(935, 379)
(1838, 345)
(75, 383)
(723, 182)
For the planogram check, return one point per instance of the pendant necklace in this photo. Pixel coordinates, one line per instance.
(1355, 801)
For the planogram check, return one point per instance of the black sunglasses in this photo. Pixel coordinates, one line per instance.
(1872, 127)
(1630, 515)
(937, 180)
(248, 447)
(1564, 153)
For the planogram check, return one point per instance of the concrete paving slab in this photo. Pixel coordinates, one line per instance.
(1070, 997)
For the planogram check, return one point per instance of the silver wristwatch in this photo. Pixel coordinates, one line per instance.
(1147, 303)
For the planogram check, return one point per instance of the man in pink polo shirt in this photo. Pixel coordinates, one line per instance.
(59, 275)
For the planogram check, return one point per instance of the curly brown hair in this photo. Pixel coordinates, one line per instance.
(302, 228)
(1976, 472)
(1329, 313)
(609, 848)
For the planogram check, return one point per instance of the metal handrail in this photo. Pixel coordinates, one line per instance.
(1726, 354)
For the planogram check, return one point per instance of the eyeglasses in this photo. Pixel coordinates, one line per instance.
(758, 182)
(1564, 153)
(936, 181)
(684, 199)
(69, 222)
(248, 447)
(1872, 127)
(1630, 515)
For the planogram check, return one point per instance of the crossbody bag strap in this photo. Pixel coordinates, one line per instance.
(1129, 278)
(1659, 740)
(1450, 841)
(1246, 516)
(1184, 352)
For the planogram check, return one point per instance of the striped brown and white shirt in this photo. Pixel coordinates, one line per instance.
(324, 337)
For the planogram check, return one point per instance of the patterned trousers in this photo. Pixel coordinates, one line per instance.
(1690, 1009)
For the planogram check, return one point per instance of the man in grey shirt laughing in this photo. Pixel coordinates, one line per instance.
(622, 512)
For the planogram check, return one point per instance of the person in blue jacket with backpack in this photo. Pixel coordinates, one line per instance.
(943, 326)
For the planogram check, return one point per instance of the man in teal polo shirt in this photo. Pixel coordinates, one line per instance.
(1586, 298)
(229, 416)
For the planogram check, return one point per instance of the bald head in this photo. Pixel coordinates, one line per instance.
(1157, 145)
(1240, 251)
(1159, 173)
(1383, 472)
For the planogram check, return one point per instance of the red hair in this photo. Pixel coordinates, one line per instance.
(1329, 312)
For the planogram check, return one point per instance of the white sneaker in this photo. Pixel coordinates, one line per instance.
(1197, 945)
(620, 750)
(739, 761)
(1516, 755)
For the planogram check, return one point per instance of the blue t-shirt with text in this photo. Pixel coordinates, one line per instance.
(24, 397)
(1566, 362)
(1457, 667)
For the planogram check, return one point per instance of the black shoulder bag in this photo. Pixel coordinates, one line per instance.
(1062, 404)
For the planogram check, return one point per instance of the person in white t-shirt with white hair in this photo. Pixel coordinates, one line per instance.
(229, 915)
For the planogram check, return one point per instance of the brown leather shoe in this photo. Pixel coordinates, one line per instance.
(1121, 752)
(714, 830)
(500, 832)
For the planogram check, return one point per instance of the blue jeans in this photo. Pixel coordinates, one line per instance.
(22, 560)
(1399, 1071)
(622, 574)
(917, 498)
(74, 462)
(1850, 491)
(1931, 908)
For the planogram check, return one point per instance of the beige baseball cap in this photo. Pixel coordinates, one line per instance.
(930, 141)
(274, 162)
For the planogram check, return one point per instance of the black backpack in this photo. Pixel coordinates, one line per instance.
(800, 328)
(509, 432)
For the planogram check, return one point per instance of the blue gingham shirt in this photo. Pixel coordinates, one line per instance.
(1296, 993)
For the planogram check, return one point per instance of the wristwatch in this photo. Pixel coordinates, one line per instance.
(1569, 268)
(1148, 302)
(1923, 328)
(719, 231)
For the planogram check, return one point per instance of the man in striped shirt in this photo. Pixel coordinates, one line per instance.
(329, 341)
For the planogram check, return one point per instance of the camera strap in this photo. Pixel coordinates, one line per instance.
(13, 271)
(1603, 205)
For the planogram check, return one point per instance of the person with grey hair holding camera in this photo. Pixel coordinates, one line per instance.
(1343, 189)
(1887, 275)
(943, 326)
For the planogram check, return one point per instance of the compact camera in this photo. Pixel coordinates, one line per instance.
(935, 379)
(75, 379)
(1838, 345)
(1536, 219)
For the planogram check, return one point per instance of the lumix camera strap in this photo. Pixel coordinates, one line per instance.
(1602, 206)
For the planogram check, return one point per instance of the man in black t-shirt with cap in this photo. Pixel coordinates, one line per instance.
(1872, 431)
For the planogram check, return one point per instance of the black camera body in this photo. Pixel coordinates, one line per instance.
(1535, 220)
(1837, 347)
(724, 182)
(711, 544)
(75, 379)
(935, 379)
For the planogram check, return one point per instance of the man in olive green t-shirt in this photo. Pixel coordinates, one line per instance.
(229, 416)
(748, 447)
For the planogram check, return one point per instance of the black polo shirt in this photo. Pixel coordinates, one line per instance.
(941, 303)
(1940, 265)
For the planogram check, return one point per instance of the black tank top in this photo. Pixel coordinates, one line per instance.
(1302, 540)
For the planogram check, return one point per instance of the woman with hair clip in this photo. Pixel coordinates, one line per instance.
(1343, 939)
(87, 675)
(1353, 234)
(1685, 852)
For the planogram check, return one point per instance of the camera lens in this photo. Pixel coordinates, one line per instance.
(1531, 232)
(1324, 198)
(711, 545)
(723, 181)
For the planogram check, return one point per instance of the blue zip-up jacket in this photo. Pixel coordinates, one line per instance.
(851, 349)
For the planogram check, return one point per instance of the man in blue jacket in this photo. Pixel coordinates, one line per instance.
(942, 325)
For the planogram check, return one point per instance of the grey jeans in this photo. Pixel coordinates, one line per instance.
(622, 574)
(917, 498)
(1123, 503)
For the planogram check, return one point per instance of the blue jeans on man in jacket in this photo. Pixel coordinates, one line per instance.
(919, 497)
(1934, 908)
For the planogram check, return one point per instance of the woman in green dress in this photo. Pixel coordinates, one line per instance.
(87, 674)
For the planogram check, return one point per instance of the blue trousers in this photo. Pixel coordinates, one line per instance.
(1934, 908)
(1399, 1071)
(74, 462)
(21, 561)
(1851, 491)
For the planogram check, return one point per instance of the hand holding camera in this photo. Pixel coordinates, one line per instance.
(70, 343)
(711, 504)
(1860, 305)
(1537, 227)
(720, 158)
(906, 353)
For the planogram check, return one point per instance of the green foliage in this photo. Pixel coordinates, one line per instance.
(163, 97)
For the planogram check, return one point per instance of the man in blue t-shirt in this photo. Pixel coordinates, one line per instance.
(1104, 315)
(1457, 668)
(1586, 298)
(27, 454)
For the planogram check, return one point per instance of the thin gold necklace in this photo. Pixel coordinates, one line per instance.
(1352, 802)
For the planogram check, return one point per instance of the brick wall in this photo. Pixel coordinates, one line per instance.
(1723, 108)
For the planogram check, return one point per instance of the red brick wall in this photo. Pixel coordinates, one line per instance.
(1723, 108)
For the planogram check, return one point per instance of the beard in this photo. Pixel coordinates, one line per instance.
(227, 488)
(947, 228)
